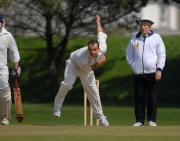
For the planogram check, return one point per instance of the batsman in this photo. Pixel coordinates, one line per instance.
(81, 64)
(7, 47)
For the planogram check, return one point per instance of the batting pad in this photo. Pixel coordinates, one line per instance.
(5, 103)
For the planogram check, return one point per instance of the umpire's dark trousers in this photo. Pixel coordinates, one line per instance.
(145, 96)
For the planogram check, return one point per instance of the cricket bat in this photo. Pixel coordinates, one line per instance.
(18, 100)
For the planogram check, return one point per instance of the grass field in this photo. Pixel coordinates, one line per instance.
(79, 133)
(40, 125)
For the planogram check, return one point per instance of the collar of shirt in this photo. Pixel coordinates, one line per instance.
(4, 31)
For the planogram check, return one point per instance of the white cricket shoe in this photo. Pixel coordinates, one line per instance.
(57, 114)
(103, 121)
(5, 121)
(152, 124)
(137, 124)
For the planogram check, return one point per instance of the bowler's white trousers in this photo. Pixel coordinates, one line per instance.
(88, 82)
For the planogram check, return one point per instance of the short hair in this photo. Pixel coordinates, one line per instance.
(92, 42)
(1, 18)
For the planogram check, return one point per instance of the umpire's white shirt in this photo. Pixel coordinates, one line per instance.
(7, 46)
(82, 58)
(146, 55)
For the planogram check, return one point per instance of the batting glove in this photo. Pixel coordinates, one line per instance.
(16, 72)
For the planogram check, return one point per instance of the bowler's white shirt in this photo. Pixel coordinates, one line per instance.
(82, 58)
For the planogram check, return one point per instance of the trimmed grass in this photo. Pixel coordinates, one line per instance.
(40, 125)
(41, 114)
(80, 133)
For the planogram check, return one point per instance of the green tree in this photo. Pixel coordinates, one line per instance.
(59, 18)
(4, 3)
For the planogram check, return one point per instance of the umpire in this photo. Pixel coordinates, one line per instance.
(146, 56)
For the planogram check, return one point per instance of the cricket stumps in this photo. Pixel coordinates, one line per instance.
(90, 110)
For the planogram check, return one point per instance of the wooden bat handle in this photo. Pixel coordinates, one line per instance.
(16, 83)
(18, 101)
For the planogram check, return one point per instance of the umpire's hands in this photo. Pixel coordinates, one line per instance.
(158, 75)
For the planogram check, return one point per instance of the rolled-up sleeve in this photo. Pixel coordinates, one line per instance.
(102, 42)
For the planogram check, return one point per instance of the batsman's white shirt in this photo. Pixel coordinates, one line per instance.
(82, 58)
(7, 46)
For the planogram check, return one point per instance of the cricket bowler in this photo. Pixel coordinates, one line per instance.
(81, 64)
(7, 47)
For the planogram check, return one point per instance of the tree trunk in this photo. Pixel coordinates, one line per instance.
(54, 56)
(49, 39)
(56, 64)
(52, 76)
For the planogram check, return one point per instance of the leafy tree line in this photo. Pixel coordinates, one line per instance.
(56, 20)
(59, 18)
